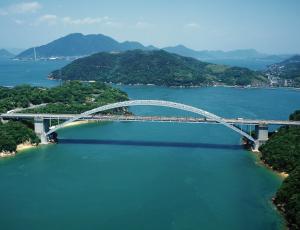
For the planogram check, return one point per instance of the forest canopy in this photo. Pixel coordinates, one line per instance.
(282, 153)
(71, 97)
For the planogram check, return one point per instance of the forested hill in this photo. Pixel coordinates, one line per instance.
(155, 67)
(77, 44)
(282, 153)
(72, 97)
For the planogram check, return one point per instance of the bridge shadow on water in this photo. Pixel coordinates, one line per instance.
(150, 143)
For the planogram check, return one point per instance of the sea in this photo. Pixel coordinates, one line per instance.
(144, 175)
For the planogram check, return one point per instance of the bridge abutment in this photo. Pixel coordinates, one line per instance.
(3, 121)
(41, 126)
(262, 135)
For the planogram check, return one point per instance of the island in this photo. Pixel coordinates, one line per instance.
(156, 67)
(69, 98)
(282, 153)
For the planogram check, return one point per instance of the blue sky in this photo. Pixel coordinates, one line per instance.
(270, 26)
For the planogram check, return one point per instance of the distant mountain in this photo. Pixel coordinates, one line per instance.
(78, 44)
(155, 67)
(5, 54)
(214, 54)
(249, 58)
(288, 69)
(292, 62)
(15, 51)
(183, 51)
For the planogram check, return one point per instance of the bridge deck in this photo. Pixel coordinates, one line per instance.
(148, 118)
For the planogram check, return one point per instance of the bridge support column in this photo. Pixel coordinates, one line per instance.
(3, 121)
(41, 126)
(262, 135)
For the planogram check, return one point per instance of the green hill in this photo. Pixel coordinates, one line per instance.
(155, 67)
(282, 153)
(71, 97)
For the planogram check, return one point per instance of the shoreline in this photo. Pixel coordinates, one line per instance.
(20, 148)
(75, 123)
(186, 86)
(259, 161)
(281, 175)
(26, 146)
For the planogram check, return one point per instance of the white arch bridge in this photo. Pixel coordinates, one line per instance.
(42, 130)
(153, 103)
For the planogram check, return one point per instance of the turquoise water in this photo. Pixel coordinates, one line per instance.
(127, 175)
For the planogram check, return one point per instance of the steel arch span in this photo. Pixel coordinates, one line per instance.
(154, 103)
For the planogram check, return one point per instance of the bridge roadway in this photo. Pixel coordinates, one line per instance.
(97, 117)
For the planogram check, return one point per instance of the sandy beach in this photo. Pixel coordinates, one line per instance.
(24, 146)
(78, 123)
(257, 155)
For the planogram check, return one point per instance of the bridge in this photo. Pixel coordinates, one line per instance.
(42, 122)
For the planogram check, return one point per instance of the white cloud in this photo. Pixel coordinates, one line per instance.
(143, 25)
(83, 21)
(192, 25)
(3, 12)
(19, 22)
(105, 21)
(25, 7)
(21, 8)
(111, 23)
(49, 19)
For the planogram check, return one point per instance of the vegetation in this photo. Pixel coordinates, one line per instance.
(71, 97)
(282, 153)
(155, 67)
(14, 133)
(295, 116)
(288, 198)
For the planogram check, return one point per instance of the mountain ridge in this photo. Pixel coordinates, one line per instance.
(77, 44)
(249, 58)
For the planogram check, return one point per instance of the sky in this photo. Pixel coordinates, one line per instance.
(269, 26)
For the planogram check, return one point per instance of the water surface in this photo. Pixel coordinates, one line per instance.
(126, 175)
(13, 72)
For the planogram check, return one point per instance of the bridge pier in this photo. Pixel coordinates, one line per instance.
(262, 135)
(41, 126)
(3, 121)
